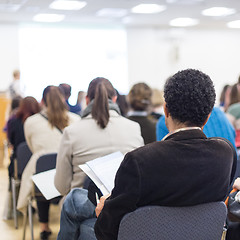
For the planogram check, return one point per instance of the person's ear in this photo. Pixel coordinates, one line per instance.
(206, 120)
(114, 99)
(87, 100)
(165, 110)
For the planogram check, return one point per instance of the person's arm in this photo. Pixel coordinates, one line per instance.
(28, 134)
(124, 199)
(10, 131)
(64, 168)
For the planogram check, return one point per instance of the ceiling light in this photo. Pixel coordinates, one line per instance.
(183, 22)
(112, 12)
(67, 5)
(48, 17)
(148, 8)
(190, 2)
(218, 11)
(234, 24)
(10, 7)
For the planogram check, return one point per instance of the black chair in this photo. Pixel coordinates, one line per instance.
(44, 163)
(200, 222)
(23, 154)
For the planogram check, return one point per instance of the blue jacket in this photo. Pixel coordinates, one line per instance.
(217, 126)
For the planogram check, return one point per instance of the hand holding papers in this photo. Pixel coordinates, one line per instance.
(102, 171)
(45, 183)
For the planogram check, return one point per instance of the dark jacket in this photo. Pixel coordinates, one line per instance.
(148, 128)
(185, 169)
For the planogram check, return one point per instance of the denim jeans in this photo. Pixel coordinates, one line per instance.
(77, 217)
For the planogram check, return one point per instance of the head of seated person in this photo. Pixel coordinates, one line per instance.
(140, 97)
(100, 94)
(189, 99)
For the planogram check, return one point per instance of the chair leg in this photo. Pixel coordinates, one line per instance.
(13, 182)
(25, 223)
(224, 233)
(30, 215)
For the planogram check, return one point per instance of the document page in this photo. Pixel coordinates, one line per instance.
(94, 178)
(105, 168)
(45, 183)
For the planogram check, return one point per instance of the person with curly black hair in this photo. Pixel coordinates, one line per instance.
(189, 97)
(184, 169)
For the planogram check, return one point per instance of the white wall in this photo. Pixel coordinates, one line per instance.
(155, 54)
(9, 54)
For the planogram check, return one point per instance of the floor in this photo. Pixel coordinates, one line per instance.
(7, 229)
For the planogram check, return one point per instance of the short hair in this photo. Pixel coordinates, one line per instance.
(157, 97)
(189, 97)
(16, 73)
(65, 89)
(140, 96)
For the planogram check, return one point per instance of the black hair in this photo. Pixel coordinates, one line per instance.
(189, 97)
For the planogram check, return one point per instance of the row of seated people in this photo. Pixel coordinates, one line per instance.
(102, 130)
(43, 132)
(184, 169)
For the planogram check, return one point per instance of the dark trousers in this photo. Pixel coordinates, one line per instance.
(43, 210)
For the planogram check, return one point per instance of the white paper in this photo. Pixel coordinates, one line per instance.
(94, 178)
(45, 183)
(105, 168)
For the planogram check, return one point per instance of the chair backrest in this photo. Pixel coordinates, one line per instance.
(46, 162)
(23, 155)
(200, 222)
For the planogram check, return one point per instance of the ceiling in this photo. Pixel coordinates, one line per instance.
(18, 11)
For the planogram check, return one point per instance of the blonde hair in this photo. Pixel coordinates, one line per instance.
(56, 107)
(16, 73)
(157, 97)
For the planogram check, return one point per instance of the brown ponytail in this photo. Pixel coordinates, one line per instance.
(101, 90)
(56, 108)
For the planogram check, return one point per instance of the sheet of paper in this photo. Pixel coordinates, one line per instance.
(105, 168)
(94, 178)
(45, 183)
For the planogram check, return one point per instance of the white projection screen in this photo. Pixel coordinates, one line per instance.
(53, 55)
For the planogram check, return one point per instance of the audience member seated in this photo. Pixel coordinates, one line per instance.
(43, 133)
(181, 170)
(233, 228)
(81, 100)
(233, 112)
(217, 126)
(157, 104)
(224, 97)
(66, 90)
(140, 101)
(101, 131)
(28, 107)
(122, 103)
(13, 110)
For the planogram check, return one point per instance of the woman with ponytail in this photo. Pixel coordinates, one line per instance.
(101, 131)
(43, 133)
